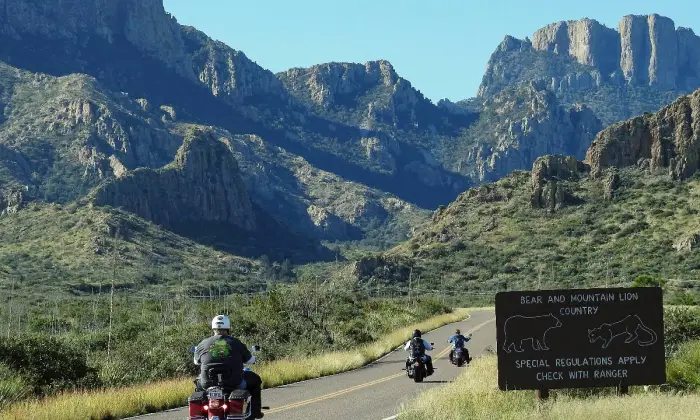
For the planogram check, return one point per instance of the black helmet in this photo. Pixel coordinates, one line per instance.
(416, 333)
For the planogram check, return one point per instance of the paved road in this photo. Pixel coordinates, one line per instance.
(374, 392)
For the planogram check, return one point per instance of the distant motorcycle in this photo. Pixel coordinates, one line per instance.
(416, 369)
(459, 356)
(219, 403)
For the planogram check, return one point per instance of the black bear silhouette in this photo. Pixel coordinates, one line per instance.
(519, 328)
(630, 325)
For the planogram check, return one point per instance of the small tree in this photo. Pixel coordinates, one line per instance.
(646, 280)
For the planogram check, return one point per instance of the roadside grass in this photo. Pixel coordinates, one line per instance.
(684, 369)
(119, 403)
(475, 395)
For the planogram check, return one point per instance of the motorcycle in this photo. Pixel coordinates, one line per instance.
(458, 357)
(415, 368)
(219, 403)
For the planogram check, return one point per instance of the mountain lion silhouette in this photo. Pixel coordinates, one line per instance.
(630, 325)
(519, 328)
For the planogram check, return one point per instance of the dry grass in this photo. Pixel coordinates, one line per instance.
(124, 402)
(475, 395)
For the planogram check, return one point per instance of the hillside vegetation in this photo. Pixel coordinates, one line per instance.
(70, 249)
(493, 238)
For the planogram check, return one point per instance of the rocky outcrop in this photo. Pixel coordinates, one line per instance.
(229, 74)
(668, 139)
(644, 51)
(452, 107)
(524, 123)
(547, 176)
(586, 40)
(203, 184)
(381, 152)
(687, 243)
(109, 133)
(330, 225)
(11, 201)
(393, 100)
(143, 23)
(611, 184)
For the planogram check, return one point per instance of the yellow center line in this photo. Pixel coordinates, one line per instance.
(361, 386)
(334, 394)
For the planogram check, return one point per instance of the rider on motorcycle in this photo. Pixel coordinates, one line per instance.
(418, 346)
(221, 348)
(458, 341)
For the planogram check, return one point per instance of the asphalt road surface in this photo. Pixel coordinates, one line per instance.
(374, 392)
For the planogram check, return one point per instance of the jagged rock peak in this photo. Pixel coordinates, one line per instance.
(586, 40)
(548, 172)
(511, 43)
(202, 184)
(327, 81)
(669, 139)
(646, 49)
(144, 23)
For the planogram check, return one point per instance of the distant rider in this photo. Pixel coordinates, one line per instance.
(458, 341)
(418, 346)
(221, 348)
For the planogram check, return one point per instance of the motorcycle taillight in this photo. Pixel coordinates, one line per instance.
(197, 410)
(237, 406)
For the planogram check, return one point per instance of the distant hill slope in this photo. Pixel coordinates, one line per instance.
(58, 249)
(630, 209)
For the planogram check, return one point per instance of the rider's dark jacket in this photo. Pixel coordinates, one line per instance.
(221, 352)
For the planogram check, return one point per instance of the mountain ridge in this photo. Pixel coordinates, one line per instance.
(644, 50)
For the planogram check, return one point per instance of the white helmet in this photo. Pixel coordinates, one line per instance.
(221, 322)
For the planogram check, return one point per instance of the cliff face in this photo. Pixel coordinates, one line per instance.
(549, 175)
(520, 124)
(669, 139)
(229, 74)
(144, 23)
(644, 51)
(203, 184)
(586, 40)
(374, 89)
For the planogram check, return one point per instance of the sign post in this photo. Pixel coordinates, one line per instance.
(581, 338)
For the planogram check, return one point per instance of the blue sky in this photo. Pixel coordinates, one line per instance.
(440, 46)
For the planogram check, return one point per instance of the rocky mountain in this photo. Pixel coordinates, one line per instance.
(668, 139)
(366, 96)
(628, 209)
(202, 184)
(647, 61)
(319, 203)
(207, 82)
(516, 126)
(97, 97)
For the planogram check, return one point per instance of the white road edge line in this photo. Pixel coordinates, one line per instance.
(390, 418)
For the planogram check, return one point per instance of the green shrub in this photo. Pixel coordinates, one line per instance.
(680, 326)
(683, 370)
(12, 386)
(47, 363)
(649, 281)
